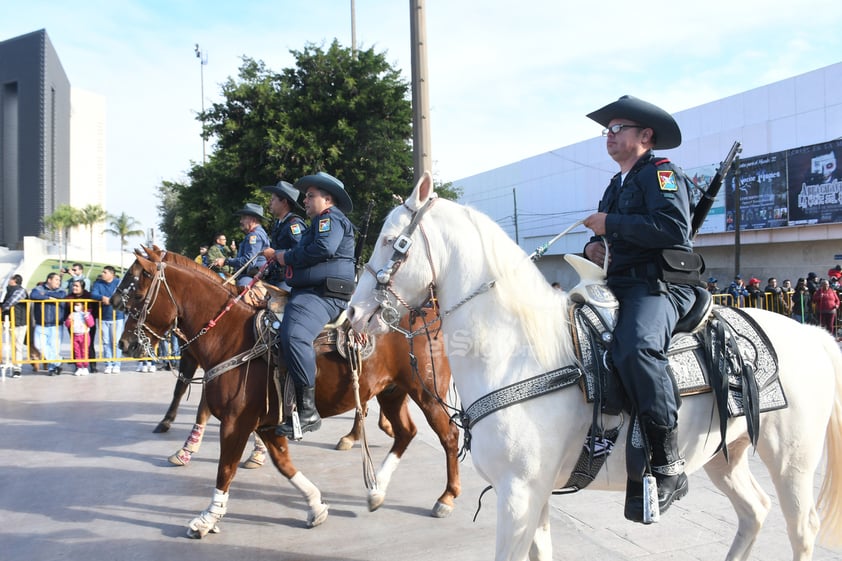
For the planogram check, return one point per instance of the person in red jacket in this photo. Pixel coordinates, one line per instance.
(827, 302)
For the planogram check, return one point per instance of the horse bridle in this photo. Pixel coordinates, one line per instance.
(140, 313)
(384, 292)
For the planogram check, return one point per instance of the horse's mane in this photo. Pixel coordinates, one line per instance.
(540, 309)
(184, 262)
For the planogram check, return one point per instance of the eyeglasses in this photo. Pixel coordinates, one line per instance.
(615, 129)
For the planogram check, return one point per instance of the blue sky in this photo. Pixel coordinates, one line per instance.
(507, 80)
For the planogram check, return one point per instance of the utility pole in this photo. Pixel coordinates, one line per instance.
(353, 29)
(203, 61)
(421, 157)
(514, 198)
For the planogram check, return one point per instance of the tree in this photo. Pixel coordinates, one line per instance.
(90, 216)
(60, 222)
(124, 227)
(335, 111)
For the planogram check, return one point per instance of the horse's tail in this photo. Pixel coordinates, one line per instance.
(830, 496)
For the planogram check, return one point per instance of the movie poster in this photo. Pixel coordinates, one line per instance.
(701, 177)
(763, 193)
(815, 183)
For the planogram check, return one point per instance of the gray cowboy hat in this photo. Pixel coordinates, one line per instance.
(329, 184)
(252, 209)
(667, 133)
(285, 190)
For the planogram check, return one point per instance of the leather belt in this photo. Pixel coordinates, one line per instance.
(640, 271)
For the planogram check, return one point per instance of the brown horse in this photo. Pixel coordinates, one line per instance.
(159, 295)
(187, 367)
(186, 373)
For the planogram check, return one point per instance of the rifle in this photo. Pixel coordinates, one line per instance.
(708, 196)
(361, 241)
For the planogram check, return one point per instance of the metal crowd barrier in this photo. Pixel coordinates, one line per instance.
(64, 348)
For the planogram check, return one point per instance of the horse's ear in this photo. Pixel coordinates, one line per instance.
(422, 192)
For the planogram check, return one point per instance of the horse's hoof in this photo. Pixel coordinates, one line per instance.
(375, 500)
(256, 460)
(180, 458)
(344, 443)
(162, 427)
(316, 518)
(441, 510)
(194, 534)
(197, 534)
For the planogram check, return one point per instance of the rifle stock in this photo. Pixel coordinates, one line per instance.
(708, 196)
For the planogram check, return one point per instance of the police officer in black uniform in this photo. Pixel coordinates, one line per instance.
(645, 218)
(286, 230)
(320, 270)
(253, 244)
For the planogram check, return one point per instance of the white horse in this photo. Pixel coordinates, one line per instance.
(517, 328)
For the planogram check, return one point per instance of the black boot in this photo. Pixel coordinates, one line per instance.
(667, 465)
(308, 416)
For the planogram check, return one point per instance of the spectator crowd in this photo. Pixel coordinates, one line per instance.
(75, 311)
(813, 299)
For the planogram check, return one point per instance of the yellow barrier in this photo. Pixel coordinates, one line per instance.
(14, 354)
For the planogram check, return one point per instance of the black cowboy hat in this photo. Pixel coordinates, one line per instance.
(667, 133)
(329, 184)
(252, 209)
(285, 190)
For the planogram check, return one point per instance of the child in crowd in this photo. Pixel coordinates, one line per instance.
(79, 322)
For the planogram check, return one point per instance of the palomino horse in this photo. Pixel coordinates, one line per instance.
(159, 294)
(513, 326)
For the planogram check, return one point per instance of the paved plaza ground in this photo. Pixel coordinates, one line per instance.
(82, 476)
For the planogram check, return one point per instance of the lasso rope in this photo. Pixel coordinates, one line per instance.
(355, 346)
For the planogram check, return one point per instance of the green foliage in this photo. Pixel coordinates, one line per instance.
(61, 221)
(124, 227)
(90, 216)
(343, 112)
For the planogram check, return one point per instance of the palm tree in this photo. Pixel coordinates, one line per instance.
(92, 215)
(123, 226)
(60, 222)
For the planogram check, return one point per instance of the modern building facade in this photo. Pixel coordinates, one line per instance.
(34, 136)
(791, 217)
(87, 162)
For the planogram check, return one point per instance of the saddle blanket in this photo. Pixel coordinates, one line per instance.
(688, 357)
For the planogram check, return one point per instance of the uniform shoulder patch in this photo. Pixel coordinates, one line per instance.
(295, 229)
(324, 225)
(666, 180)
(253, 239)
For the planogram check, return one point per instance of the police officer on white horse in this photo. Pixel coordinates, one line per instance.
(645, 218)
(320, 271)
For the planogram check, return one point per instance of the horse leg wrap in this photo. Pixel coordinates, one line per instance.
(195, 439)
(258, 454)
(208, 520)
(318, 510)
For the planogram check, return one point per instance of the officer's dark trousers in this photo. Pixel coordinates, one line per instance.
(305, 316)
(641, 337)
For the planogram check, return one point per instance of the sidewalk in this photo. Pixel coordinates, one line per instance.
(84, 477)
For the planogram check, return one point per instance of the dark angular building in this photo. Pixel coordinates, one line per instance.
(34, 136)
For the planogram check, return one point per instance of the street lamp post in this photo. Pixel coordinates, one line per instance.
(203, 60)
